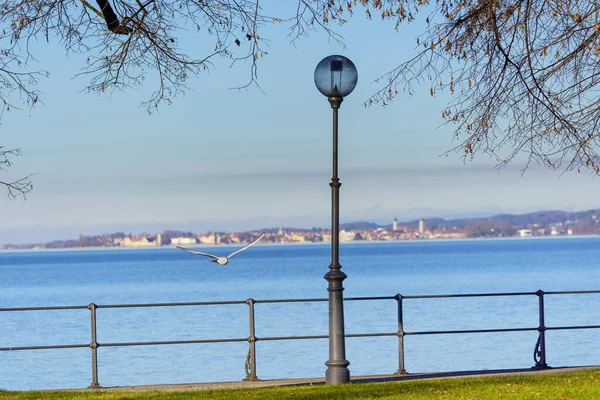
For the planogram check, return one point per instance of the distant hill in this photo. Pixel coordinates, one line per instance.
(533, 218)
(538, 218)
(359, 225)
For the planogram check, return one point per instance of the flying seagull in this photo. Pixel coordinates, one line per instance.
(222, 260)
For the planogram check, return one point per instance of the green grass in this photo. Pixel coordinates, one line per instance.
(583, 385)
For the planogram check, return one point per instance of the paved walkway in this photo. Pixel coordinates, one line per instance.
(317, 381)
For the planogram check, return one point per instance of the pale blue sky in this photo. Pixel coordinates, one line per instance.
(220, 159)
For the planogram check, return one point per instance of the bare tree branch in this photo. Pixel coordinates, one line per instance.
(19, 187)
(131, 42)
(524, 75)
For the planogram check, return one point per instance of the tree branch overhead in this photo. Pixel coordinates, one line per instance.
(524, 75)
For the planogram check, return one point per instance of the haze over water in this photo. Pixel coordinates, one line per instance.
(292, 271)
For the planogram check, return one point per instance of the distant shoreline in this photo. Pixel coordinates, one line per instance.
(361, 242)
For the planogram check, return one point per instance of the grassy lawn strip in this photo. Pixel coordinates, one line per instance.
(572, 385)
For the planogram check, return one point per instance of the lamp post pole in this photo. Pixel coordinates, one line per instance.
(336, 77)
(337, 365)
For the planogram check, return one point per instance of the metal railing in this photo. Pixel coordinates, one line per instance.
(539, 353)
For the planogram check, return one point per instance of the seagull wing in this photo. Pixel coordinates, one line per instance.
(197, 252)
(246, 246)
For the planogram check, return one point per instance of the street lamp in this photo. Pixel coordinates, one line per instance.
(336, 77)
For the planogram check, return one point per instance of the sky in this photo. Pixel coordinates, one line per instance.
(232, 160)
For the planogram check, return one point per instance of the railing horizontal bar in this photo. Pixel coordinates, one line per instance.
(59, 346)
(266, 339)
(124, 344)
(291, 300)
(371, 298)
(471, 331)
(199, 303)
(442, 296)
(209, 303)
(271, 338)
(324, 299)
(50, 308)
(560, 328)
(371, 334)
(573, 292)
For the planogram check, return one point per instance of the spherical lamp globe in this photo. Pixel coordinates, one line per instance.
(336, 76)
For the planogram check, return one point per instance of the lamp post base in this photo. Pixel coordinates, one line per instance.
(337, 365)
(337, 372)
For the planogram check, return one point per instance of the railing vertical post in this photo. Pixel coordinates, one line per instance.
(539, 353)
(401, 369)
(250, 365)
(94, 346)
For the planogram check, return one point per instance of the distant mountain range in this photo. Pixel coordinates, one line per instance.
(516, 220)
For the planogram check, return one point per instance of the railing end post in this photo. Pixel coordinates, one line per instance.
(539, 351)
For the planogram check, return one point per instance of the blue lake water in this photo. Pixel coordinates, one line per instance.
(30, 279)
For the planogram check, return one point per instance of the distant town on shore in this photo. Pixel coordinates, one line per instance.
(541, 223)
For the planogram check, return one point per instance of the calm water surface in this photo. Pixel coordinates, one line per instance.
(293, 271)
